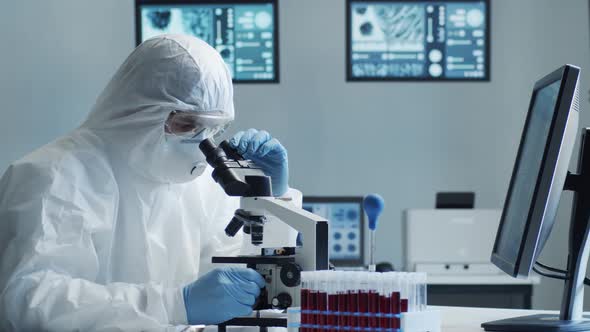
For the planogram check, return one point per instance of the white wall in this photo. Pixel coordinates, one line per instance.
(405, 141)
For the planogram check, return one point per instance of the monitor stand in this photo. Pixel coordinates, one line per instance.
(570, 317)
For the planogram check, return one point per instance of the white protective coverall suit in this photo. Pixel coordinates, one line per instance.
(95, 235)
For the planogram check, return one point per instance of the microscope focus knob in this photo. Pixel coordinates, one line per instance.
(291, 274)
(282, 301)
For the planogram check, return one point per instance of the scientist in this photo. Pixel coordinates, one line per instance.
(113, 226)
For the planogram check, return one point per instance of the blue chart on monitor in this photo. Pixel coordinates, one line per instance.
(344, 220)
(243, 34)
(421, 40)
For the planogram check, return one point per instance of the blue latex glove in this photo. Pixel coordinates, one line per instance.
(222, 294)
(266, 152)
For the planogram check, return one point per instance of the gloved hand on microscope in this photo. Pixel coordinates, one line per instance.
(229, 292)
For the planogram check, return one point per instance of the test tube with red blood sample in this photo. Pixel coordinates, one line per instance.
(353, 296)
(305, 291)
(312, 302)
(403, 292)
(322, 299)
(394, 281)
(332, 314)
(363, 300)
(342, 300)
(373, 300)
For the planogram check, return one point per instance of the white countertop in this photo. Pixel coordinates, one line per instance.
(458, 319)
(481, 280)
(454, 319)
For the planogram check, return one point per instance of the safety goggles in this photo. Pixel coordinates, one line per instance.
(197, 126)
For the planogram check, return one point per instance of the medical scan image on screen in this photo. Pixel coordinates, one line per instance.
(243, 34)
(527, 172)
(345, 233)
(418, 40)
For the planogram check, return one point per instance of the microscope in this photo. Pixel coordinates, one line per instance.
(280, 267)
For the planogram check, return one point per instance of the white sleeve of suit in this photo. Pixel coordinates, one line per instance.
(49, 271)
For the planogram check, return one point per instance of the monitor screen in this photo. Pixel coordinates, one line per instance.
(539, 172)
(418, 40)
(346, 220)
(532, 150)
(243, 32)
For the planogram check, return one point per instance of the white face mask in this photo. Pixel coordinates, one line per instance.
(186, 161)
(177, 160)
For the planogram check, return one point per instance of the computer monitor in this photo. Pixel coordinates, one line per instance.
(540, 175)
(245, 32)
(401, 40)
(346, 218)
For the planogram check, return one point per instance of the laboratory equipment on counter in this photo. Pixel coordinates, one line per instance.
(384, 267)
(346, 217)
(450, 241)
(364, 301)
(540, 175)
(244, 32)
(418, 40)
(373, 204)
(281, 267)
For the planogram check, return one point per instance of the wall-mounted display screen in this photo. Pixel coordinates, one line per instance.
(418, 40)
(244, 32)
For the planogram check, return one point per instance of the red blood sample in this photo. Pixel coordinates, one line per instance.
(395, 309)
(373, 309)
(322, 307)
(404, 305)
(332, 319)
(342, 309)
(312, 305)
(363, 306)
(395, 302)
(304, 308)
(353, 299)
(385, 309)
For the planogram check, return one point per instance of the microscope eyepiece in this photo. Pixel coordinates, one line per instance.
(229, 151)
(207, 146)
(237, 177)
(223, 169)
(216, 157)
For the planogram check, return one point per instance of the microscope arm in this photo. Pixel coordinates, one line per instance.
(314, 229)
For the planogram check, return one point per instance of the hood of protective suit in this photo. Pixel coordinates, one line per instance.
(164, 74)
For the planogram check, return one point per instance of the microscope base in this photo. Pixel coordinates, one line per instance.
(262, 323)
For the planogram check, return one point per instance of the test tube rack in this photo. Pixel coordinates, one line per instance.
(363, 301)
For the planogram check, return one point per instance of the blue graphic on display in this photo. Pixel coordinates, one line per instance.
(242, 34)
(344, 219)
(338, 214)
(160, 19)
(418, 40)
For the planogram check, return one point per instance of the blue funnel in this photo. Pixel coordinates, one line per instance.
(373, 205)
